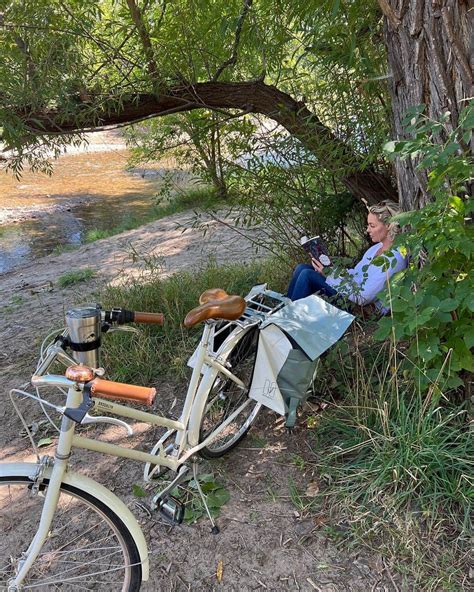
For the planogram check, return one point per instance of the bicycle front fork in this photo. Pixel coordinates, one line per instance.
(51, 499)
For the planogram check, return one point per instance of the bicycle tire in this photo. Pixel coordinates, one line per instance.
(225, 397)
(87, 541)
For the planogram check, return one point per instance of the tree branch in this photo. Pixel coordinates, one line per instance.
(254, 96)
(389, 13)
(145, 40)
(233, 58)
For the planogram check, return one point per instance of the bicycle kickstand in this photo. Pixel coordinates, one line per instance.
(215, 528)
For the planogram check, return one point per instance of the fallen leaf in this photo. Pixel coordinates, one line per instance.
(45, 442)
(312, 490)
(219, 570)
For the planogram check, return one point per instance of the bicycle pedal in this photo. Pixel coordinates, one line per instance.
(172, 509)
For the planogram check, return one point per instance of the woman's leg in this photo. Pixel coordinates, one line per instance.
(309, 282)
(298, 269)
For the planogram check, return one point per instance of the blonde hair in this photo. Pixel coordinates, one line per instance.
(385, 210)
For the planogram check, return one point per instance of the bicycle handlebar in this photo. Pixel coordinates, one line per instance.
(101, 388)
(120, 316)
(125, 392)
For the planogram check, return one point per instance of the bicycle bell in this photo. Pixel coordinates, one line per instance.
(84, 326)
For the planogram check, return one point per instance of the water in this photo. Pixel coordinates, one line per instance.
(87, 191)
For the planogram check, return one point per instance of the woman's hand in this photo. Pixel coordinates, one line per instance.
(317, 266)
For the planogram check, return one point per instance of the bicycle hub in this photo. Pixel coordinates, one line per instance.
(84, 326)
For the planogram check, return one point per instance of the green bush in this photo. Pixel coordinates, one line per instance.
(433, 300)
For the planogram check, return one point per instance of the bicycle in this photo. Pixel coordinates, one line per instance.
(86, 536)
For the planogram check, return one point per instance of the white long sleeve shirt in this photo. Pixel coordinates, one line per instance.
(361, 285)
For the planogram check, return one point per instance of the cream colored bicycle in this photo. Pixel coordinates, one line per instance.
(63, 530)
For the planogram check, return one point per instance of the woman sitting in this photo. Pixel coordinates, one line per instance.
(362, 283)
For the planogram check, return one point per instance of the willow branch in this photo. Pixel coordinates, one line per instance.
(233, 58)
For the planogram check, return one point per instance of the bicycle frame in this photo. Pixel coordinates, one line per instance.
(187, 429)
(207, 365)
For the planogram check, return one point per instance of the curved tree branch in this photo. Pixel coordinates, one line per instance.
(253, 96)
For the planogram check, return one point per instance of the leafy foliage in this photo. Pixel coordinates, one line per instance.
(433, 300)
(202, 142)
(83, 60)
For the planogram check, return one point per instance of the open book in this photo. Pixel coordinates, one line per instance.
(316, 248)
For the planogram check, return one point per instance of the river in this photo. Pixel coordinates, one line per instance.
(89, 190)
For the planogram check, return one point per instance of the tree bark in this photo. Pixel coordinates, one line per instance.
(251, 97)
(430, 62)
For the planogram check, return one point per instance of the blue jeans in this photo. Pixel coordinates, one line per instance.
(306, 280)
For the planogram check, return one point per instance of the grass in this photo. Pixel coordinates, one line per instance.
(163, 351)
(398, 470)
(58, 249)
(203, 198)
(394, 468)
(74, 277)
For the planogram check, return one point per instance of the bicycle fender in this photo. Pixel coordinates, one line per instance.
(88, 485)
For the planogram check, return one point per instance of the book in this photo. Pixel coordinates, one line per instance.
(316, 248)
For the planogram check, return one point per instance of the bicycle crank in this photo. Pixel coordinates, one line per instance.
(167, 504)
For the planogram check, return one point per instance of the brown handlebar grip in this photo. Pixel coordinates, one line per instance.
(122, 391)
(156, 318)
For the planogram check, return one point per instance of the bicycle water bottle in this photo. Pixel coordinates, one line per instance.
(84, 326)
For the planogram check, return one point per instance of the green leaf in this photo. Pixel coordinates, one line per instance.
(138, 491)
(44, 442)
(335, 7)
(462, 358)
(448, 305)
(218, 498)
(391, 147)
(469, 337)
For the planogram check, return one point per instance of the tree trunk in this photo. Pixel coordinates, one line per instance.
(430, 62)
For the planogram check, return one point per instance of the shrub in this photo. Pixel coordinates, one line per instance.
(433, 300)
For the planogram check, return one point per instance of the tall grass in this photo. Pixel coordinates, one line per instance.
(398, 468)
(162, 352)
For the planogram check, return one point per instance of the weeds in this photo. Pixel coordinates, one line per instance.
(398, 467)
(74, 277)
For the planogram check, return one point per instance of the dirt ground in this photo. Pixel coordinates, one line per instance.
(267, 539)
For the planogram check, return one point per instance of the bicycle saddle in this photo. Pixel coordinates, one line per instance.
(215, 304)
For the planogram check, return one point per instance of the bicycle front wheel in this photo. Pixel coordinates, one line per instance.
(225, 397)
(88, 546)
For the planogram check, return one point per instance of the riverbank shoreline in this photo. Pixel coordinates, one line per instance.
(20, 214)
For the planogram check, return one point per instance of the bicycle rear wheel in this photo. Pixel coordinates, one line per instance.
(88, 546)
(225, 397)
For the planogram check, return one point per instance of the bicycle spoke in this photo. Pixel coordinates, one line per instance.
(83, 551)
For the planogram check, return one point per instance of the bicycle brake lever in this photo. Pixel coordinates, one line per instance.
(103, 419)
(77, 414)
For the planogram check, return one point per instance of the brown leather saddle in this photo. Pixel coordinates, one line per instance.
(215, 303)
